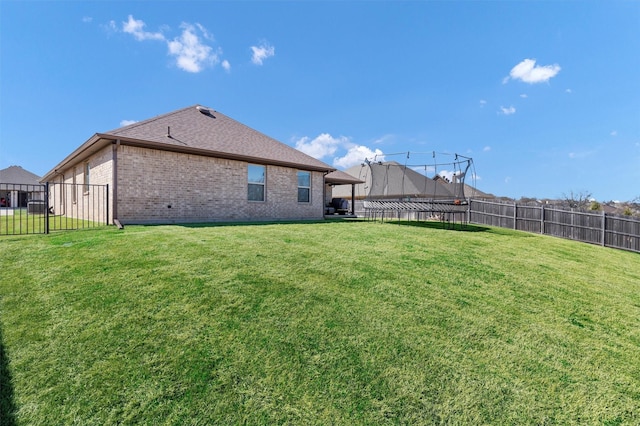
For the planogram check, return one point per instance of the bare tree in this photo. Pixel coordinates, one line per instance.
(577, 200)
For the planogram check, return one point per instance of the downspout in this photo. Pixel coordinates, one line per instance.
(353, 199)
(114, 185)
(324, 193)
(63, 193)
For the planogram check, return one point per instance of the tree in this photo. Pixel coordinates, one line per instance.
(577, 200)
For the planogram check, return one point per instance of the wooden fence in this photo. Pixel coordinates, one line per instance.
(621, 232)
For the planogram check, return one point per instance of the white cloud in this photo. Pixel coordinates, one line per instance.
(87, 19)
(322, 146)
(568, 91)
(486, 148)
(507, 179)
(136, 28)
(262, 52)
(384, 139)
(191, 54)
(581, 154)
(528, 72)
(226, 65)
(524, 96)
(614, 133)
(110, 27)
(507, 111)
(325, 145)
(205, 33)
(127, 122)
(356, 155)
(482, 102)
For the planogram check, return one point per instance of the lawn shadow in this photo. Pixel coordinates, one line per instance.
(436, 224)
(265, 222)
(7, 405)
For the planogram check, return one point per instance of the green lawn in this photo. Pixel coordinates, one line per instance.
(317, 323)
(20, 222)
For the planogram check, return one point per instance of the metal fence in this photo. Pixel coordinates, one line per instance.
(40, 209)
(621, 232)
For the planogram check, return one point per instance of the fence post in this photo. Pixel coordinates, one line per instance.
(542, 220)
(46, 208)
(106, 220)
(604, 227)
(515, 215)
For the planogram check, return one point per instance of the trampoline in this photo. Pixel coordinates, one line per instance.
(417, 189)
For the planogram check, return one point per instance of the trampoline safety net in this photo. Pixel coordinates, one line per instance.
(434, 189)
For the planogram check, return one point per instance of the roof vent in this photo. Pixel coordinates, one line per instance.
(203, 110)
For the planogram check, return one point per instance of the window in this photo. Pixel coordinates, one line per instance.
(304, 187)
(256, 180)
(86, 178)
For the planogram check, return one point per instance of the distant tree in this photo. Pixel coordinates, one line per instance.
(627, 211)
(595, 206)
(577, 200)
(527, 200)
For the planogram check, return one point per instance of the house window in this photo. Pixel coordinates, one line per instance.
(256, 180)
(304, 187)
(86, 178)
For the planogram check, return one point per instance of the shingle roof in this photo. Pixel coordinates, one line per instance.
(18, 175)
(338, 177)
(203, 129)
(200, 131)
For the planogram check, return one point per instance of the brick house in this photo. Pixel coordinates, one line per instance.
(18, 187)
(197, 165)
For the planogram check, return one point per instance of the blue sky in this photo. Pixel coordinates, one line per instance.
(544, 96)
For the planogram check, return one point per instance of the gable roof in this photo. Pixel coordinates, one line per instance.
(201, 131)
(469, 191)
(18, 175)
(338, 177)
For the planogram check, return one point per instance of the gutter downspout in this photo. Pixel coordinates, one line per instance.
(114, 185)
(353, 199)
(324, 193)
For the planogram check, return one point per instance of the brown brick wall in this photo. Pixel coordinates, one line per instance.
(84, 204)
(164, 187)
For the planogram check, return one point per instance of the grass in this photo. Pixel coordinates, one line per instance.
(317, 323)
(20, 222)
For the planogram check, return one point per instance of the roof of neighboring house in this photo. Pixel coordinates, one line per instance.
(469, 191)
(338, 177)
(201, 131)
(18, 175)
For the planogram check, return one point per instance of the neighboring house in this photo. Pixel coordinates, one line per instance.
(196, 165)
(469, 191)
(18, 187)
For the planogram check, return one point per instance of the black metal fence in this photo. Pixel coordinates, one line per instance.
(621, 232)
(41, 209)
